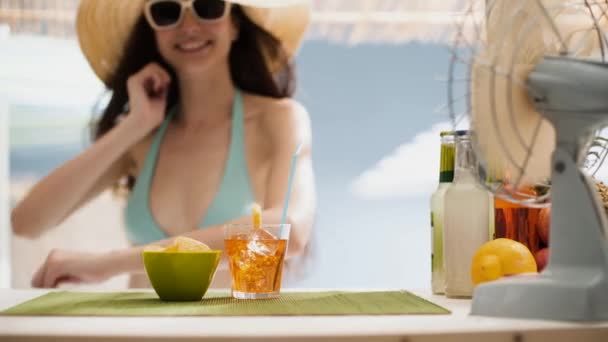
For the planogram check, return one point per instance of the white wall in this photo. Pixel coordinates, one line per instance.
(5, 236)
(5, 231)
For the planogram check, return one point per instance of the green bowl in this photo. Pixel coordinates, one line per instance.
(181, 276)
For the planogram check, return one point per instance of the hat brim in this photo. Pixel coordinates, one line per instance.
(104, 26)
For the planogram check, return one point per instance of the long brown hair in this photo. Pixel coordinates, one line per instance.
(250, 69)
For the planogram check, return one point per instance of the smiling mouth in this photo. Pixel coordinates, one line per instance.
(193, 47)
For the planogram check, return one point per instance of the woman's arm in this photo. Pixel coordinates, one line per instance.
(288, 126)
(60, 193)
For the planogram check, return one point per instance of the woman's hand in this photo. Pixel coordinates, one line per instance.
(148, 91)
(72, 267)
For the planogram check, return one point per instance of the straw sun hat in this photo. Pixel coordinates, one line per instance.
(104, 26)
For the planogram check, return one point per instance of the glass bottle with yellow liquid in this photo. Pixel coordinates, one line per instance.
(466, 220)
(446, 175)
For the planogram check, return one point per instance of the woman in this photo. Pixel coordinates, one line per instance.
(200, 125)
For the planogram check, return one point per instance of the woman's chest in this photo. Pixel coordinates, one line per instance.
(192, 171)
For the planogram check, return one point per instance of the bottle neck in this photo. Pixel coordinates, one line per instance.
(465, 159)
(446, 165)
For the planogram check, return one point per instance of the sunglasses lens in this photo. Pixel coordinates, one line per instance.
(165, 13)
(210, 9)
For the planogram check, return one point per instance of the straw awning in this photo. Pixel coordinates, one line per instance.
(346, 21)
(384, 21)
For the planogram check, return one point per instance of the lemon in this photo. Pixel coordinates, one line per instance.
(501, 257)
(154, 248)
(180, 244)
(171, 248)
(185, 244)
(256, 212)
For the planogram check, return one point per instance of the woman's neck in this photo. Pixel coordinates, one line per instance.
(206, 98)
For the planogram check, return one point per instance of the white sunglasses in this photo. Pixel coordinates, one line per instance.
(167, 14)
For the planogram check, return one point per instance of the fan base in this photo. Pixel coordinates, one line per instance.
(574, 295)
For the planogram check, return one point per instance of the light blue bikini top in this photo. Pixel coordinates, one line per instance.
(232, 200)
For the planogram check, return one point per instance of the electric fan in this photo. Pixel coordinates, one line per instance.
(533, 83)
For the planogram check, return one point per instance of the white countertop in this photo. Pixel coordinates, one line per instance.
(459, 325)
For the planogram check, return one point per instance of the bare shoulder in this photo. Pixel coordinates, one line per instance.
(283, 119)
